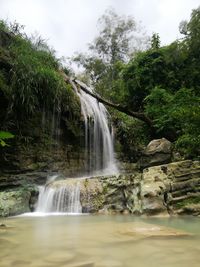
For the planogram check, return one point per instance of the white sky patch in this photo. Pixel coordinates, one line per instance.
(69, 25)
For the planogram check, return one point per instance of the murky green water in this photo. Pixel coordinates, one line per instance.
(100, 241)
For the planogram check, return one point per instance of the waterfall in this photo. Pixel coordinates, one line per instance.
(99, 150)
(60, 197)
(99, 157)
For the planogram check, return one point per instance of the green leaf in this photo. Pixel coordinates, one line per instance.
(5, 135)
(2, 143)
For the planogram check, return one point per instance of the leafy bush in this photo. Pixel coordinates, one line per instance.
(179, 115)
(33, 81)
(4, 136)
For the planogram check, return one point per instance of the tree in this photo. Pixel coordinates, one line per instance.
(193, 32)
(178, 116)
(30, 84)
(155, 41)
(191, 48)
(119, 38)
(115, 38)
(159, 86)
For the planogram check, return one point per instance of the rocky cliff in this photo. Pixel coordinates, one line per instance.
(167, 189)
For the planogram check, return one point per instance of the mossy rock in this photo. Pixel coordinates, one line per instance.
(14, 202)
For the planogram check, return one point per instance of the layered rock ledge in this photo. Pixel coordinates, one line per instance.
(168, 189)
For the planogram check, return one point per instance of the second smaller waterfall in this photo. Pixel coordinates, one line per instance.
(60, 197)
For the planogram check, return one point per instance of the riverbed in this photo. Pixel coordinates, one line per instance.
(99, 241)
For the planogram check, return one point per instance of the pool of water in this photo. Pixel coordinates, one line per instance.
(99, 241)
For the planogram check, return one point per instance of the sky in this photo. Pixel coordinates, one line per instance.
(69, 25)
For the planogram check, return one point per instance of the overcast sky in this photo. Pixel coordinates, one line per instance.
(69, 25)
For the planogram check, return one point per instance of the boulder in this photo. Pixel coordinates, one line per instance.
(17, 200)
(171, 188)
(157, 152)
(106, 194)
(14, 202)
(153, 188)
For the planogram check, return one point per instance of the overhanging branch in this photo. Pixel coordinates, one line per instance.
(137, 115)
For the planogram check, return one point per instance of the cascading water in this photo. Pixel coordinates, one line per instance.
(60, 197)
(99, 157)
(99, 151)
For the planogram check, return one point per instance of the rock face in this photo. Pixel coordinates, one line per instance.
(106, 194)
(153, 191)
(184, 187)
(20, 170)
(172, 188)
(112, 194)
(157, 152)
(160, 190)
(36, 163)
(16, 201)
(168, 189)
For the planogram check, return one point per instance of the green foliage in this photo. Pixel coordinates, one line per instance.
(193, 32)
(178, 115)
(132, 136)
(114, 40)
(4, 136)
(155, 41)
(155, 67)
(119, 38)
(162, 82)
(34, 79)
(192, 200)
(32, 88)
(191, 46)
(157, 106)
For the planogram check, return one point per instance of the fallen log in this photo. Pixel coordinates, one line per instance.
(138, 115)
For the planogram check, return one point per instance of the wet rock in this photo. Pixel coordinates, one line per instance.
(150, 230)
(190, 209)
(172, 188)
(14, 202)
(154, 185)
(159, 191)
(107, 194)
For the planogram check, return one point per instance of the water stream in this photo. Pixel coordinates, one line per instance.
(99, 156)
(99, 150)
(65, 198)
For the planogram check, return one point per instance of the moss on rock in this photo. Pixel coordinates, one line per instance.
(17, 201)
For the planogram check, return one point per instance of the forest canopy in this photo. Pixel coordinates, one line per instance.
(163, 82)
(124, 66)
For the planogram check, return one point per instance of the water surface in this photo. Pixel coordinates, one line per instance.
(99, 241)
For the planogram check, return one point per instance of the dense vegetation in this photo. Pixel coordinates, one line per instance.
(124, 66)
(32, 90)
(162, 82)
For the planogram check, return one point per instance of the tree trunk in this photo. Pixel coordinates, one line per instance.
(124, 109)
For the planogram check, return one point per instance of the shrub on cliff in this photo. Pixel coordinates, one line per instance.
(30, 80)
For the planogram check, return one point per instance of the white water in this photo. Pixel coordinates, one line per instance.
(65, 198)
(99, 158)
(99, 150)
